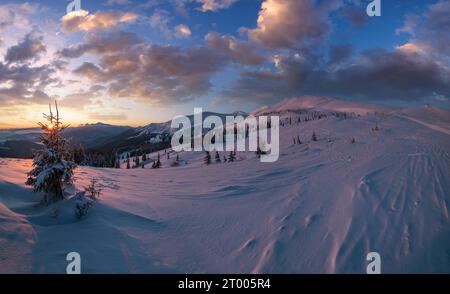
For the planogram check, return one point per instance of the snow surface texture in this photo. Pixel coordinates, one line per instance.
(320, 209)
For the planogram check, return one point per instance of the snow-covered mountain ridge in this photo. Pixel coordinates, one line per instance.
(319, 209)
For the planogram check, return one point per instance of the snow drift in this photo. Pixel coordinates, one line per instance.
(320, 209)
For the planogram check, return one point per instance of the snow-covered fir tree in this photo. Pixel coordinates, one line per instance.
(232, 156)
(52, 167)
(137, 161)
(207, 159)
(157, 163)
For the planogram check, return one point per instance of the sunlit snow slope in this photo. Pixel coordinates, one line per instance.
(320, 209)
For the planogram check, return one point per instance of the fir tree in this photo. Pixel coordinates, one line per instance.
(231, 157)
(51, 166)
(92, 191)
(376, 128)
(128, 163)
(207, 158)
(157, 163)
(314, 137)
(218, 157)
(137, 161)
(78, 155)
(144, 157)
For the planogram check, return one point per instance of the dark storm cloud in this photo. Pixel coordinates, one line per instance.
(356, 15)
(242, 52)
(340, 54)
(28, 49)
(92, 72)
(377, 75)
(416, 71)
(163, 73)
(25, 84)
(102, 43)
(155, 73)
(395, 75)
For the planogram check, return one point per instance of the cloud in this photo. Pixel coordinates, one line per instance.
(131, 68)
(16, 14)
(118, 2)
(430, 32)
(92, 72)
(340, 54)
(183, 31)
(28, 49)
(355, 13)
(156, 74)
(23, 83)
(27, 69)
(241, 52)
(83, 21)
(436, 27)
(375, 75)
(382, 75)
(77, 100)
(286, 23)
(415, 71)
(160, 20)
(102, 44)
(409, 25)
(205, 5)
(215, 5)
(108, 117)
(168, 74)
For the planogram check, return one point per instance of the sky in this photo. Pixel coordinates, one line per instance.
(130, 62)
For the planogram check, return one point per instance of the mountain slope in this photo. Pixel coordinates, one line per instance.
(319, 209)
(140, 137)
(21, 143)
